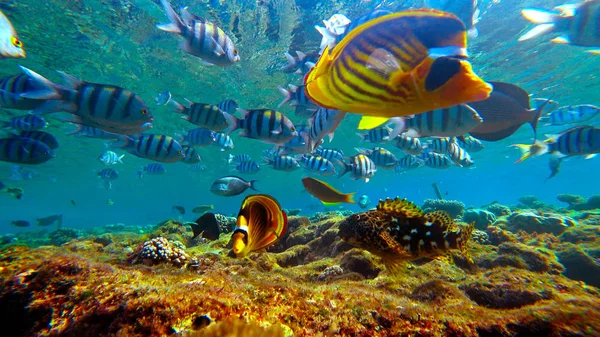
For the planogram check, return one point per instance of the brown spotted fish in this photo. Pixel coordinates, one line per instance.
(399, 231)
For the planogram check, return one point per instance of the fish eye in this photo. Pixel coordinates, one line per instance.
(293, 129)
(16, 42)
(235, 51)
(46, 153)
(144, 112)
(180, 152)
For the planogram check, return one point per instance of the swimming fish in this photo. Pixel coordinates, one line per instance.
(408, 162)
(318, 165)
(300, 64)
(382, 157)
(581, 140)
(330, 154)
(323, 123)
(436, 160)
(92, 132)
(40, 136)
(410, 145)
(205, 115)
(504, 112)
(111, 158)
(191, 156)
(448, 122)
(152, 169)
(267, 125)
(20, 223)
(572, 114)
(15, 192)
(231, 185)
(364, 201)
(334, 26)
(469, 143)
(24, 151)
(223, 141)
(206, 226)
(10, 45)
(399, 231)
(30, 83)
(160, 148)
(248, 167)
(459, 156)
(326, 193)
(163, 98)
(25, 123)
(228, 105)
(108, 175)
(282, 163)
(378, 73)
(577, 24)
(238, 158)
(179, 209)
(202, 38)
(50, 220)
(202, 209)
(360, 166)
(376, 135)
(260, 224)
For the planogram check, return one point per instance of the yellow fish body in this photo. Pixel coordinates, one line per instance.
(400, 64)
(260, 224)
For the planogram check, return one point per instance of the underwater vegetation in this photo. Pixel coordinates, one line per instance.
(533, 273)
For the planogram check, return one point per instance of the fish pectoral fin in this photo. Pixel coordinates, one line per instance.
(219, 51)
(371, 122)
(383, 62)
(561, 40)
(594, 51)
(590, 156)
(330, 204)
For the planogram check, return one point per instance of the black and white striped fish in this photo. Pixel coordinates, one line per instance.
(92, 132)
(330, 154)
(323, 123)
(317, 164)
(202, 38)
(436, 160)
(25, 91)
(191, 155)
(197, 137)
(267, 125)
(24, 151)
(572, 114)
(159, 148)
(448, 122)
(282, 163)
(223, 141)
(459, 156)
(40, 136)
(238, 158)
(205, 115)
(228, 105)
(382, 158)
(469, 143)
(25, 123)
(409, 145)
(376, 135)
(248, 167)
(296, 96)
(152, 169)
(108, 174)
(577, 141)
(360, 166)
(408, 162)
(441, 145)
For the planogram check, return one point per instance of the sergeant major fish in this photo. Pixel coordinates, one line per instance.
(152, 169)
(223, 141)
(577, 141)
(111, 158)
(381, 157)
(190, 155)
(10, 45)
(360, 166)
(282, 163)
(318, 164)
(323, 123)
(248, 167)
(267, 125)
(197, 137)
(572, 114)
(205, 115)
(448, 122)
(40, 136)
(202, 38)
(159, 148)
(25, 123)
(24, 151)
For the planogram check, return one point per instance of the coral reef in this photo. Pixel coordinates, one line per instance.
(499, 209)
(480, 217)
(454, 208)
(159, 250)
(539, 223)
(579, 203)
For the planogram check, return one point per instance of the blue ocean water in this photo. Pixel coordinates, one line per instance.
(116, 42)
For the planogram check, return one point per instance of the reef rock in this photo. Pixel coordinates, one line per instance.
(362, 262)
(536, 259)
(480, 217)
(578, 203)
(532, 222)
(502, 296)
(454, 208)
(498, 209)
(580, 266)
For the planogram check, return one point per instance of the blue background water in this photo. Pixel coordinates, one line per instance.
(116, 43)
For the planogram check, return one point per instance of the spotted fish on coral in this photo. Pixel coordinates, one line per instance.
(398, 230)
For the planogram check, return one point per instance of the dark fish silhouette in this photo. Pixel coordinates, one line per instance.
(179, 209)
(207, 226)
(50, 220)
(20, 223)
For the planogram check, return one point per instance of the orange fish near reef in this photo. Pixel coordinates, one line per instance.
(326, 193)
(260, 223)
(399, 64)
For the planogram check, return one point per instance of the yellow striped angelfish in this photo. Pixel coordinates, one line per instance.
(399, 64)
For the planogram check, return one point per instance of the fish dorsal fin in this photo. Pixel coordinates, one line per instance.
(513, 91)
(189, 18)
(371, 122)
(444, 220)
(399, 208)
(383, 62)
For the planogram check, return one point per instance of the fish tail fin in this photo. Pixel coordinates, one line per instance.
(195, 229)
(78, 129)
(327, 40)
(399, 126)
(538, 148)
(349, 198)
(545, 23)
(175, 25)
(179, 138)
(179, 108)
(251, 185)
(291, 61)
(363, 136)
(121, 142)
(347, 168)
(120, 158)
(232, 122)
(268, 160)
(49, 90)
(287, 96)
(536, 117)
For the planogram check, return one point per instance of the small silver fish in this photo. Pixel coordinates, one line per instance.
(10, 45)
(110, 158)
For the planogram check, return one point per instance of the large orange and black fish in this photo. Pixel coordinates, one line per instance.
(260, 224)
(395, 65)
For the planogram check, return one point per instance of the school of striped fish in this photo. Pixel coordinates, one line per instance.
(406, 73)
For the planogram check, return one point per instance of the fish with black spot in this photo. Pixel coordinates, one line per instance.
(397, 231)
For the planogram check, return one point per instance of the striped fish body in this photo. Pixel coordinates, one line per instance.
(205, 115)
(360, 167)
(298, 144)
(197, 168)
(24, 151)
(201, 37)
(376, 135)
(197, 137)
(248, 167)
(110, 158)
(448, 122)
(92, 132)
(25, 123)
(159, 148)
(438, 161)
(238, 158)
(441, 145)
(365, 18)
(12, 87)
(573, 114)
(106, 105)
(296, 96)
(154, 169)
(470, 144)
(323, 123)
(382, 68)
(580, 140)
(459, 156)
(10, 45)
(579, 23)
(191, 155)
(267, 125)
(382, 158)
(223, 141)
(283, 163)
(408, 162)
(318, 165)
(108, 174)
(409, 145)
(330, 154)
(228, 105)
(41, 136)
